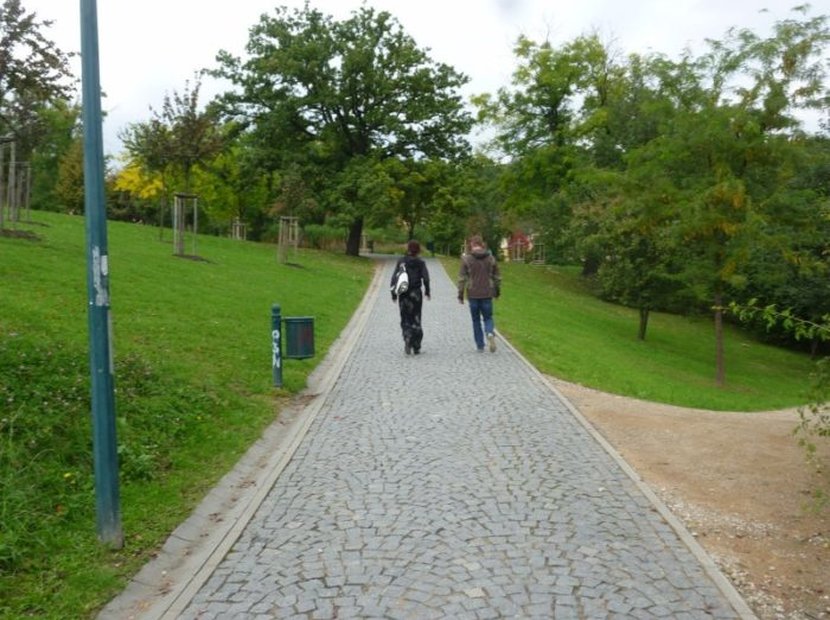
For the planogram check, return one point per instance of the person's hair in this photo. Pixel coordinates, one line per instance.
(413, 248)
(476, 240)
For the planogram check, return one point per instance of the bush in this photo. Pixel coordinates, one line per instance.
(323, 237)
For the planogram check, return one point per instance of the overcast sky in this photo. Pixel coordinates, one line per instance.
(152, 47)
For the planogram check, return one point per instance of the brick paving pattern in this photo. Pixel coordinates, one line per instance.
(453, 484)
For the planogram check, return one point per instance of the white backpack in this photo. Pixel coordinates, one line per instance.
(401, 284)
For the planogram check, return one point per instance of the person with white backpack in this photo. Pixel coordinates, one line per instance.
(408, 278)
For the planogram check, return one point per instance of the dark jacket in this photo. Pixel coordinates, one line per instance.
(479, 274)
(417, 271)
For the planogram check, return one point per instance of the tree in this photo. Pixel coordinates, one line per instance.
(175, 140)
(137, 191)
(631, 231)
(33, 73)
(481, 183)
(637, 168)
(230, 189)
(791, 270)
(417, 187)
(539, 110)
(296, 198)
(544, 132)
(324, 94)
(70, 185)
(148, 148)
(727, 152)
(358, 194)
(194, 135)
(60, 123)
(709, 171)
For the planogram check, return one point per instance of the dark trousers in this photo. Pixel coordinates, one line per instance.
(410, 304)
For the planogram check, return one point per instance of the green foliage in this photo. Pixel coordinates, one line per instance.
(174, 145)
(34, 74)
(69, 189)
(771, 316)
(59, 124)
(479, 200)
(386, 240)
(360, 192)
(148, 145)
(337, 99)
(229, 188)
(36, 113)
(539, 110)
(640, 268)
(324, 236)
(192, 352)
(194, 137)
(667, 178)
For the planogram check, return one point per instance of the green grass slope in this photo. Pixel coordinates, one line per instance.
(192, 350)
(567, 333)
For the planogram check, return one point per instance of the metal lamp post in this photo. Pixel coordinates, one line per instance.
(100, 351)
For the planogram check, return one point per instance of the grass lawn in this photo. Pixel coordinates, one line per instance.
(547, 313)
(193, 381)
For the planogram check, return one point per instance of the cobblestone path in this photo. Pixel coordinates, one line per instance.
(455, 484)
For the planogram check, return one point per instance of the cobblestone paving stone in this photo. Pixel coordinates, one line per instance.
(453, 484)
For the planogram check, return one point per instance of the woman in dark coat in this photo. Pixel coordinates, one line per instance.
(410, 302)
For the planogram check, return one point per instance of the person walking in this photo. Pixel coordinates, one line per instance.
(479, 276)
(411, 301)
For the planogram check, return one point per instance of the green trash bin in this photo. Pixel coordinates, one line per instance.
(299, 337)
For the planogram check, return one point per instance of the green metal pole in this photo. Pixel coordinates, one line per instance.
(100, 350)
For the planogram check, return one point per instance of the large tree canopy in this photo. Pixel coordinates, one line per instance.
(178, 138)
(323, 93)
(670, 178)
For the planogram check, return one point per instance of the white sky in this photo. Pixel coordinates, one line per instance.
(149, 48)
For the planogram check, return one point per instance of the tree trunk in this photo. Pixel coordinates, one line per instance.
(353, 241)
(164, 200)
(161, 216)
(641, 332)
(720, 373)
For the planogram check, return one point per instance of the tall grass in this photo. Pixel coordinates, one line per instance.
(193, 391)
(549, 314)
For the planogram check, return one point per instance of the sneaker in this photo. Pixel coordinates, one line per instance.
(491, 339)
